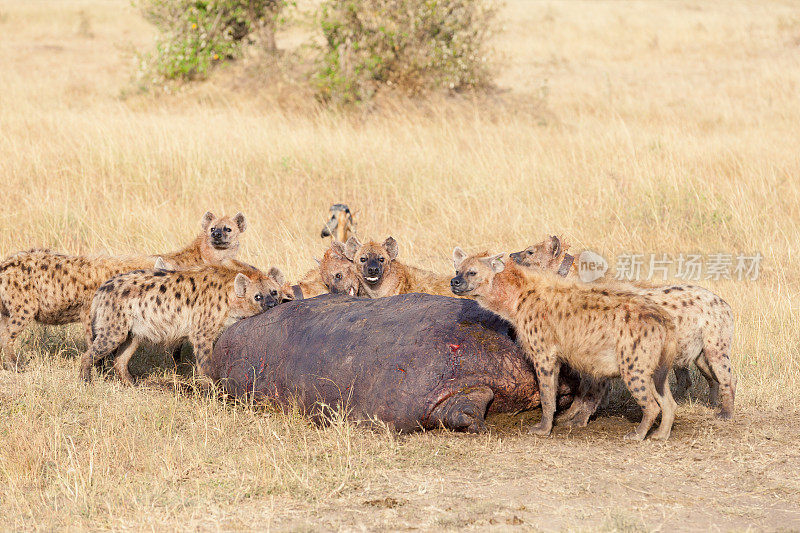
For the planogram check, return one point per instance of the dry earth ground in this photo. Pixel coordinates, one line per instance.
(628, 126)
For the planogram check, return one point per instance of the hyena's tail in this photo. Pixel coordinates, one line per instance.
(669, 352)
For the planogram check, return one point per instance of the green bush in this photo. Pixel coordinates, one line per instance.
(411, 45)
(198, 34)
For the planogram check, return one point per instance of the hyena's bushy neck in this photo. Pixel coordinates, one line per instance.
(505, 292)
(200, 252)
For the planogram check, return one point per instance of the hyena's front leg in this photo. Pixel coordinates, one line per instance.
(547, 367)
(203, 347)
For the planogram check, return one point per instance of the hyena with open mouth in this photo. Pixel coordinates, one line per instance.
(381, 274)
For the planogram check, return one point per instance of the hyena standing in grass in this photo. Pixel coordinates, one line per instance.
(335, 274)
(54, 289)
(703, 322)
(381, 274)
(598, 331)
(166, 307)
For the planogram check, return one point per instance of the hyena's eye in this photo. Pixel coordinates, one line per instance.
(530, 252)
(338, 275)
(227, 229)
(471, 273)
(258, 297)
(363, 259)
(383, 259)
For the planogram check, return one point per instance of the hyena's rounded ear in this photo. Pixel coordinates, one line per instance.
(391, 248)
(241, 222)
(240, 285)
(338, 248)
(351, 247)
(276, 274)
(497, 263)
(555, 246)
(458, 257)
(207, 219)
(160, 264)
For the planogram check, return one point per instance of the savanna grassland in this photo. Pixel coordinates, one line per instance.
(625, 126)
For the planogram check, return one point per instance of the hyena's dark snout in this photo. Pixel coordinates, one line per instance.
(458, 284)
(268, 302)
(373, 271)
(517, 257)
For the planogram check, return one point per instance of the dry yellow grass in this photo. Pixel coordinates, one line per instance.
(629, 127)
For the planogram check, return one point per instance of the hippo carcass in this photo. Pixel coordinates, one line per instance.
(413, 361)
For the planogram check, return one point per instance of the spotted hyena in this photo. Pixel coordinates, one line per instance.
(703, 321)
(335, 274)
(54, 288)
(601, 332)
(165, 307)
(381, 274)
(217, 244)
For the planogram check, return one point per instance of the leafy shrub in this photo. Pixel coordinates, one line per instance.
(412, 45)
(198, 34)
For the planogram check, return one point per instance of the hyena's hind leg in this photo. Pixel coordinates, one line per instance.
(125, 352)
(12, 323)
(638, 378)
(720, 363)
(464, 410)
(666, 402)
(713, 385)
(101, 364)
(107, 337)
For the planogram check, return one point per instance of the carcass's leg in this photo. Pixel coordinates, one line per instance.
(465, 410)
